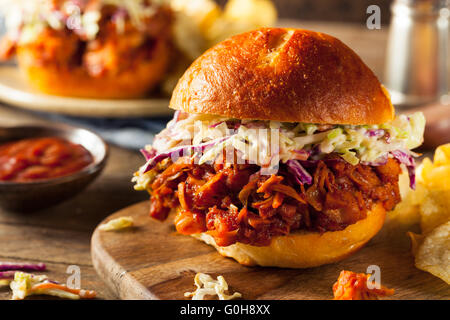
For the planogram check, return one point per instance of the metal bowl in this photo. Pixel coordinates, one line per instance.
(35, 195)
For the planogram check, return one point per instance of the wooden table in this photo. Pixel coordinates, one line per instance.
(60, 236)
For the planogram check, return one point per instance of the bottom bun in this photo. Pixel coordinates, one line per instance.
(76, 82)
(305, 249)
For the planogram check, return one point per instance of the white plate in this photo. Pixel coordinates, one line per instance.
(15, 91)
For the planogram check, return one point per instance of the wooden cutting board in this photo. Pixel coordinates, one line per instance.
(152, 261)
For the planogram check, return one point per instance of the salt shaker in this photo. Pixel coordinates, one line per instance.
(417, 65)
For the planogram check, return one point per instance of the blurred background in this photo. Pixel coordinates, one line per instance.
(329, 10)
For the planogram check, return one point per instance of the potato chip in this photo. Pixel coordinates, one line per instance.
(189, 39)
(258, 13)
(405, 215)
(203, 12)
(435, 209)
(433, 255)
(437, 178)
(200, 24)
(436, 175)
(241, 16)
(432, 247)
(442, 155)
(434, 178)
(192, 19)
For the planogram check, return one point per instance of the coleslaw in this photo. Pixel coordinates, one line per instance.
(267, 143)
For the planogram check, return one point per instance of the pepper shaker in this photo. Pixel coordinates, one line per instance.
(417, 65)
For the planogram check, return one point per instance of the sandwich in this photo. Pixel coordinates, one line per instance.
(284, 150)
(90, 48)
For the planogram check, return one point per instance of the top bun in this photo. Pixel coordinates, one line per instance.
(287, 75)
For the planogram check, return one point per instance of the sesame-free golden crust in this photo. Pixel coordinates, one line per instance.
(287, 75)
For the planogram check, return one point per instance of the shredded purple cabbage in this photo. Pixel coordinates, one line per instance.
(147, 154)
(376, 133)
(408, 161)
(52, 281)
(400, 155)
(403, 157)
(216, 124)
(181, 150)
(160, 157)
(7, 266)
(300, 174)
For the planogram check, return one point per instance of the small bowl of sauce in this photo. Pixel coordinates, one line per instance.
(35, 159)
(41, 166)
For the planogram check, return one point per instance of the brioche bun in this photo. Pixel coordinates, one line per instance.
(285, 75)
(303, 249)
(76, 82)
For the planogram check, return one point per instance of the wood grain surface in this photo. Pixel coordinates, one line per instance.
(152, 261)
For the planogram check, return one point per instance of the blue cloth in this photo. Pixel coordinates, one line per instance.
(131, 133)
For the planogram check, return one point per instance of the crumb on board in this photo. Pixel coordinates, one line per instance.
(117, 224)
(206, 285)
(26, 284)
